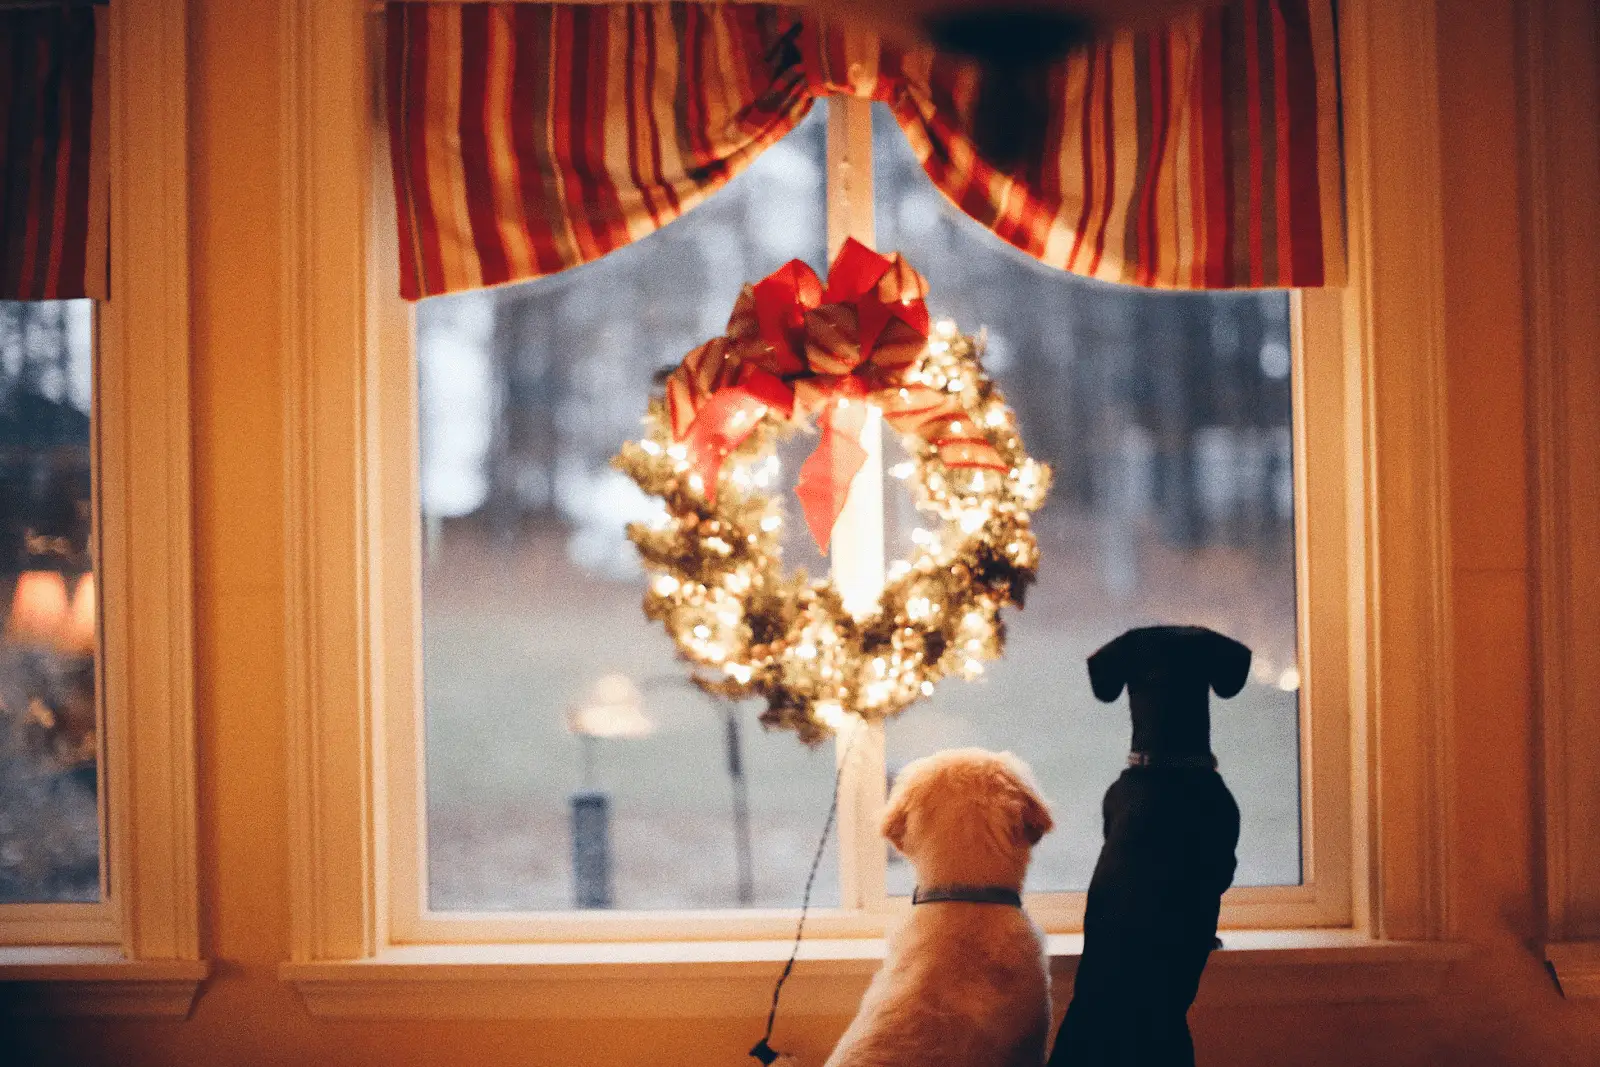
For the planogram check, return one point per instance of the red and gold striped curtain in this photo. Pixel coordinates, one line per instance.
(528, 138)
(52, 187)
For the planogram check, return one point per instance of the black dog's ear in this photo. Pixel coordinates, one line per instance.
(1108, 669)
(1230, 665)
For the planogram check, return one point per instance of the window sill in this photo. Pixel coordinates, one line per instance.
(95, 980)
(1577, 967)
(726, 979)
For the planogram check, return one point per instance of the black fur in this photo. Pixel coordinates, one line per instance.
(1170, 836)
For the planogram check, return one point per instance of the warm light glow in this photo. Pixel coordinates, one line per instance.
(612, 710)
(832, 715)
(38, 608)
(666, 585)
(1289, 680)
(78, 634)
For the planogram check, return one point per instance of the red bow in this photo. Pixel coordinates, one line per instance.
(796, 347)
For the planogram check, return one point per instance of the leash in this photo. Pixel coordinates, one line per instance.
(763, 1051)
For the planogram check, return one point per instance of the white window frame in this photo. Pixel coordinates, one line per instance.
(865, 908)
(1370, 483)
(137, 951)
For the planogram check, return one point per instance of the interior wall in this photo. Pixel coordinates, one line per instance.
(1501, 1007)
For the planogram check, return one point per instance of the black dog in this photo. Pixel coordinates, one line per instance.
(1171, 828)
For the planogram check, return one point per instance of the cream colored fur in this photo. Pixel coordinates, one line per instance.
(963, 985)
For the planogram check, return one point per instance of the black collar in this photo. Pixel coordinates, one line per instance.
(968, 894)
(1189, 761)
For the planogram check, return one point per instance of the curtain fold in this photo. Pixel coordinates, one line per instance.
(529, 138)
(52, 187)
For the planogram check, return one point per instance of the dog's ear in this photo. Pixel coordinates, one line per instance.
(1108, 669)
(1229, 665)
(894, 817)
(1030, 816)
(1034, 820)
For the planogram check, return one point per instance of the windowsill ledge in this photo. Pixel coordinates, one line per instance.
(1577, 967)
(95, 980)
(729, 979)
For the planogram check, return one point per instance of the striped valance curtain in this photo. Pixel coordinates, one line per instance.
(52, 162)
(528, 138)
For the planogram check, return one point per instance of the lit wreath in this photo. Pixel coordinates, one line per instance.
(796, 348)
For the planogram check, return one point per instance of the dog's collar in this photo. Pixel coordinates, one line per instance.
(1192, 761)
(968, 894)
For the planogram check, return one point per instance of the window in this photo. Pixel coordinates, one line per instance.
(1372, 610)
(570, 763)
(50, 826)
(96, 664)
(568, 768)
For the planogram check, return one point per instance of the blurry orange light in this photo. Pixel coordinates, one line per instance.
(38, 608)
(77, 636)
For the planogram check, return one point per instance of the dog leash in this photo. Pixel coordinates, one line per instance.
(763, 1050)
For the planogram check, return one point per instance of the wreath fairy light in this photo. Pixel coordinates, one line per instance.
(795, 348)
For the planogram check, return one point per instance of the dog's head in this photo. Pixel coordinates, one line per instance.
(967, 816)
(1169, 672)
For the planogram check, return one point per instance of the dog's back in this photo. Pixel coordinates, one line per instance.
(964, 985)
(1151, 917)
(1171, 831)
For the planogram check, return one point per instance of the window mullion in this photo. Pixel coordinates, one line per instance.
(856, 549)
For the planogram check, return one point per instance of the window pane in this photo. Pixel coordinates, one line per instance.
(1167, 419)
(531, 592)
(49, 813)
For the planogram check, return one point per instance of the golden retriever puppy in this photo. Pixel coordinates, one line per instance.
(965, 982)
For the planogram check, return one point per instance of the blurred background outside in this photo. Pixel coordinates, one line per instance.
(1165, 415)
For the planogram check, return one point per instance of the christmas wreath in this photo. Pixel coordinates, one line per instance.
(797, 348)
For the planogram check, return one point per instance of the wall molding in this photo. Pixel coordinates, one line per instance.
(1560, 75)
(332, 655)
(146, 502)
(1402, 684)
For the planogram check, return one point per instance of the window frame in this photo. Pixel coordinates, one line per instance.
(865, 908)
(137, 951)
(1391, 608)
